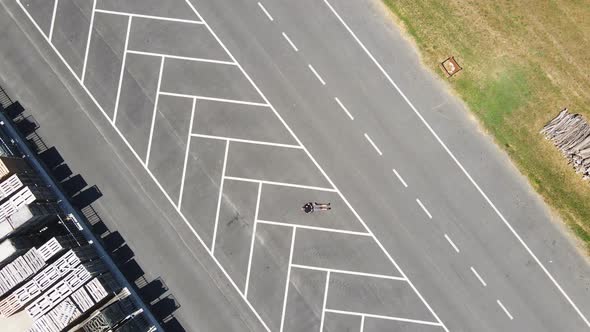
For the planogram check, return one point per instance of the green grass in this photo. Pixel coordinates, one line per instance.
(522, 62)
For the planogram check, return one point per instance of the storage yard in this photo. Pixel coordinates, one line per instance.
(52, 277)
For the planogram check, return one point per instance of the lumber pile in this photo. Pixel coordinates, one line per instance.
(571, 135)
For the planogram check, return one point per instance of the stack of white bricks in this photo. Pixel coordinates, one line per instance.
(44, 279)
(102, 286)
(64, 313)
(82, 299)
(64, 288)
(78, 303)
(44, 324)
(19, 270)
(21, 198)
(11, 165)
(26, 195)
(54, 246)
(16, 181)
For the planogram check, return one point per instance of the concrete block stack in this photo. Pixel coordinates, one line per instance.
(43, 280)
(20, 269)
(50, 285)
(12, 165)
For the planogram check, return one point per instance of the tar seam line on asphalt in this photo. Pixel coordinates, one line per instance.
(452, 243)
(505, 310)
(252, 240)
(362, 323)
(316, 74)
(478, 276)
(385, 252)
(88, 41)
(315, 228)
(343, 108)
(373, 144)
(362, 274)
(324, 301)
(155, 112)
(160, 18)
(354, 313)
(232, 101)
(187, 58)
(288, 281)
(289, 146)
(149, 172)
(265, 12)
(53, 20)
(423, 208)
(399, 177)
(280, 183)
(117, 99)
(186, 153)
(290, 42)
(440, 141)
(219, 198)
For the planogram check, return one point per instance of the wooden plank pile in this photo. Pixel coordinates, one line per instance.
(571, 135)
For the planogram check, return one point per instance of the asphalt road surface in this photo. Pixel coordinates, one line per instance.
(431, 226)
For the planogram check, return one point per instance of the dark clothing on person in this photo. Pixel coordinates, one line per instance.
(308, 207)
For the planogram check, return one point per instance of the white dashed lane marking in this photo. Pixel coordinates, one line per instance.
(290, 42)
(423, 208)
(265, 12)
(478, 276)
(452, 243)
(399, 177)
(373, 144)
(505, 310)
(316, 74)
(343, 108)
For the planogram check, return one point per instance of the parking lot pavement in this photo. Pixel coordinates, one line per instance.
(228, 165)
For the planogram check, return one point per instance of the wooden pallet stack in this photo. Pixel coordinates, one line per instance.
(571, 135)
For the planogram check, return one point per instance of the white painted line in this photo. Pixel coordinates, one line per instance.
(280, 183)
(286, 293)
(373, 144)
(219, 198)
(478, 277)
(362, 323)
(452, 243)
(325, 300)
(232, 101)
(399, 177)
(290, 42)
(385, 252)
(475, 184)
(423, 208)
(354, 313)
(265, 12)
(252, 240)
(88, 41)
(122, 71)
(185, 220)
(53, 19)
(161, 18)
(170, 56)
(154, 179)
(154, 113)
(290, 146)
(186, 153)
(505, 310)
(362, 274)
(315, 228)
(316, 74)
(344, 108)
